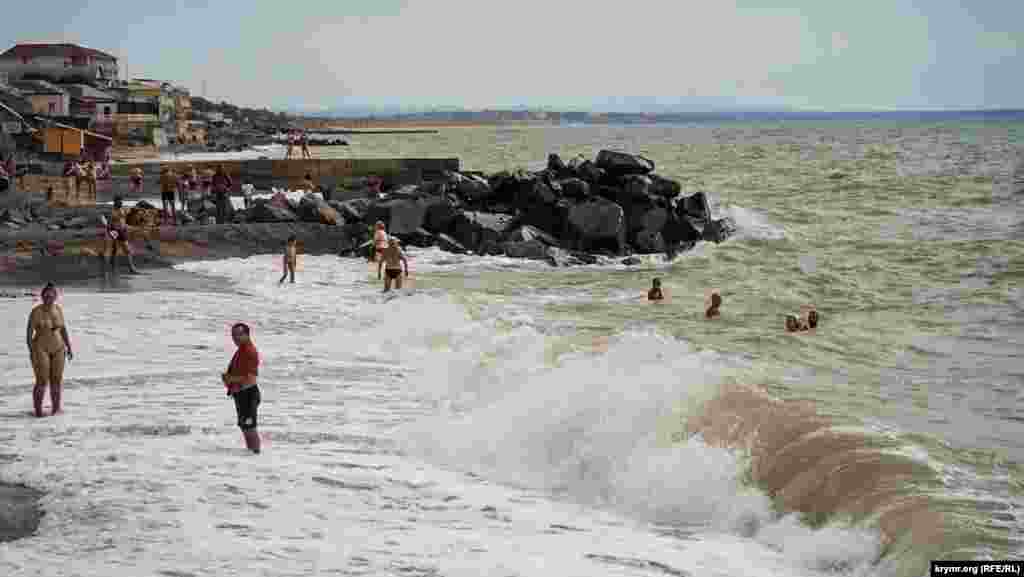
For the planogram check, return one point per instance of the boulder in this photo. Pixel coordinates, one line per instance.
(449, 244)
(473, 229)
(473, 188)
(621, 163)
(636, 186)
(419, 238)
(648, 242)
(694, 206)
(597, 225)
(664, 187)
(529, 233)
(509, 188)
(575, 188)
(15, 216)
(718, 230)
(537, 192)
(590, 172)
(406, 191)
(681, 230)
(550, 218)
(270, 212)
(440, 213)
(353, 210)
(531, 249)
(315, 209)
(652, 218)
(560, 257)
(555, 164)
(401, 216)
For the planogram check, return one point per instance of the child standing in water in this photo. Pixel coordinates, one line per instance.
(290, 258)
(240, 381)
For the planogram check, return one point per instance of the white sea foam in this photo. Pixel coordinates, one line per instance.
(405, 436)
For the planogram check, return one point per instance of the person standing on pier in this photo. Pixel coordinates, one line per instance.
(221, 189)
(305, 145)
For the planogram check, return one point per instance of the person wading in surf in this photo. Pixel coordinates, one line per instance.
(48, 344)
(290, 258)
(394, 258)
(240, 381)
(712, 311)
(655, 293)
(380, 241)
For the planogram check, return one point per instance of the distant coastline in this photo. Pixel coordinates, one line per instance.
(446, 119)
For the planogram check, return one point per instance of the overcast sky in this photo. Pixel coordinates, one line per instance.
(584, 54)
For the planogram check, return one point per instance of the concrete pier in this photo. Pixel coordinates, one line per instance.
(266, 174)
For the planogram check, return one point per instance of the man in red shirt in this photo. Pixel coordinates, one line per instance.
(240, 381)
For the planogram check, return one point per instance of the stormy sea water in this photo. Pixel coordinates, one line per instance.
(501, 417)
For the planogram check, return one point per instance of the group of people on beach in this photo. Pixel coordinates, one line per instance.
(190, 188)
(806, 322)
(298, 138)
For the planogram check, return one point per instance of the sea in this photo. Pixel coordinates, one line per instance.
(505, 418)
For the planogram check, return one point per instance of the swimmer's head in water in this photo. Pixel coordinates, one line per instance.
(812, 318)
(49, 293)
(792, 325)
(240, 333)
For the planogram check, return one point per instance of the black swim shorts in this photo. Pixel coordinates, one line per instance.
(167, 196)
(246, 403)
(393, 273)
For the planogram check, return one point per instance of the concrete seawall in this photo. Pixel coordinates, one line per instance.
(267, 174)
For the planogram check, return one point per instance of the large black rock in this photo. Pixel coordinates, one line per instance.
(529, 233)
(550, 218)
(353, 210)
(400, 216)
(598, 225)
(621, 163)
(664, 187)
(267, 212)
(473, 229)
(440, 213)
(531, 249)
(575, 188)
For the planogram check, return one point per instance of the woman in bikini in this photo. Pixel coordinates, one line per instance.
(48, 344)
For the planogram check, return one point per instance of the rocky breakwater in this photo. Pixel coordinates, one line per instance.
(614, 205)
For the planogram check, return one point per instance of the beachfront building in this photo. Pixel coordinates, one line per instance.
(47, 99)
(182, 113)
(98, 106)
(58, 63)
(138, 114)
